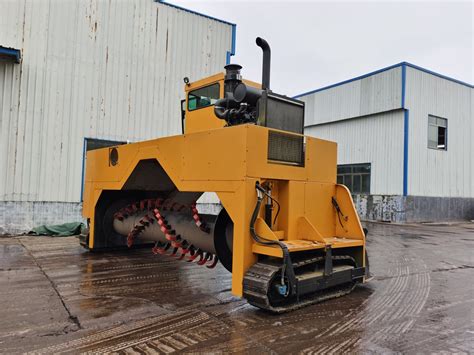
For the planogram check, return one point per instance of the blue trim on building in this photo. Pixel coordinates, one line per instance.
(405, 131)
(10, 55)
(194, 12)
(406, 115)
(406, 120)
(402, 64)
(232, 48)
(404, 78)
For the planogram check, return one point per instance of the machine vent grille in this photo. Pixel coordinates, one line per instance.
(285, 148)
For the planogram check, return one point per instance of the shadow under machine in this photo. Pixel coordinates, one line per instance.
(287, 231)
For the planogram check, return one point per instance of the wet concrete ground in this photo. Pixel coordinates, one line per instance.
(56, 297)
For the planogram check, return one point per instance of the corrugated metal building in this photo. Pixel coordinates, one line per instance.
(91, 73)
(405, 142)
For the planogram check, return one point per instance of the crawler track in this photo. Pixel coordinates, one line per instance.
(258, 282)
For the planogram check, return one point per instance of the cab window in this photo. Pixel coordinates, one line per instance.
(203, 97)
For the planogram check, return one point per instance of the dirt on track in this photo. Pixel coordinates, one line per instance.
(56, 297)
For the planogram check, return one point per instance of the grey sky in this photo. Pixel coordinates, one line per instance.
(316, 43)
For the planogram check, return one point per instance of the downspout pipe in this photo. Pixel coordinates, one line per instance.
(266, 62)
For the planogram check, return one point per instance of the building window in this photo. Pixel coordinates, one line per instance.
(203, 97)
(437, 133)
(355, 176)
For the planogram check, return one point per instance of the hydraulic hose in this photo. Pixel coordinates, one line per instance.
(287, 268)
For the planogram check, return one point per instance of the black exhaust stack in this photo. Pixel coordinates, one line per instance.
(244, 104)
(266, 62)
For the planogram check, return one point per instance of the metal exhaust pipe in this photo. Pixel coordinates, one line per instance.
(266, 62)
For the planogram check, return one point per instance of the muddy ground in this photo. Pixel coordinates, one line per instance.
(56, 297)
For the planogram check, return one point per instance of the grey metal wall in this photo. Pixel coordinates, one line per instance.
(102, 69)
(372, 94)
(375, 139)
(432, 172)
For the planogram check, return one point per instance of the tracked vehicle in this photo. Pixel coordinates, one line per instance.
(287, 231)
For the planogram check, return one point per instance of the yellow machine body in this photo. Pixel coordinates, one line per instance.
(229, 161)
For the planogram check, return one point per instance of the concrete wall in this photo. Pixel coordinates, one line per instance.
(408, 209)
(21, 216)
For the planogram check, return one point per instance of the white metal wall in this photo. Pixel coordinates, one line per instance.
(435, 172)
(376, 139)
(376, 93)
(101, 69)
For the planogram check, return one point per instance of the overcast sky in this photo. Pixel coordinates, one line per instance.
(318, 43)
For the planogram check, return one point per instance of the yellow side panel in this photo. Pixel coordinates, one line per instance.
(292, 194)
(263, 230)
(215, 155)
(351, 227)
(238, 204)
(202, 119)
(87, 202)
(98, 167)
(318, 207)
(168, 152)
(307, 231)
(321, 160)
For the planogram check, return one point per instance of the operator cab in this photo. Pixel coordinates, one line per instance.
(197, 110)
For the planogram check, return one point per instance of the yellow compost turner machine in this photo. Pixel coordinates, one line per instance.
(287, 231)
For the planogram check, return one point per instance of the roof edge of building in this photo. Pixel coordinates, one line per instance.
(164, 2)
(9, 54)
(401, 64)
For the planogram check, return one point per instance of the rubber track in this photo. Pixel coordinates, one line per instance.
(257, 282)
